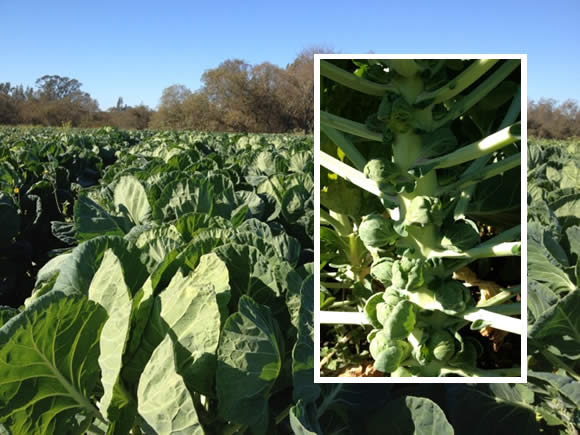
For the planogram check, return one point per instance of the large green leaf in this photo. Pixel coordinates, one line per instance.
(190, 310)
(565, 385)
(251, 274)
(500, 409)
(558, 329)
(130, 199)
(410, 415)
(190, 224)
(91, 220)
(109, 290)
(249, 362)
(303, 353)
(497, 200)
(78, 269)
(302, 420)
(157, 242)
(540, 269)
(213, 271)
(183, 196)
(164, 402)
(567, 205)
(540, 299)
(570, 176)
(49, 365)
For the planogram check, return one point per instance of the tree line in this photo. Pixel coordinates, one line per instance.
(550, 119)
(235, 96)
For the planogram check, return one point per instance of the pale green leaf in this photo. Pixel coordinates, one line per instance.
(164, 401)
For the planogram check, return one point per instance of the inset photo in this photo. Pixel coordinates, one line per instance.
(420, 211)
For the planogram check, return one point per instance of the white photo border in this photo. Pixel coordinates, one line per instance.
(523, 378)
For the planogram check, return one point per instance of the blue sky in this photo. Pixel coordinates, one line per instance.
(135, 49)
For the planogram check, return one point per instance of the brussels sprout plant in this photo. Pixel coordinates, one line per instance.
(420, 206)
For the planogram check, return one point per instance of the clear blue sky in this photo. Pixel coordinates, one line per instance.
(135, 49)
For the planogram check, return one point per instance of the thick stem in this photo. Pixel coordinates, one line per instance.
(499, 298)
(354, 254)
(406, 149)
(508, 235)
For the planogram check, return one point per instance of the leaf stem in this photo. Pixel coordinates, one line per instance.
(352, 81)
(342, 318)
(495, 320)
(489, 171)
(338, 226)
(483, 147)
(478, 93)
(348, 126)
(349, 173)
(345, 144)
(506, 249)
(469, 76)
(499, 298)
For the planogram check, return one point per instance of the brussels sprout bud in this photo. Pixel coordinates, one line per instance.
(371, 309)
(376, 231)
(397, 320)
(381, 270)
(388, 355)
(467, 356)
(407, 273)
(453, 296)
(442, 345)
(424, 210)
(392, 297)
(381, 170)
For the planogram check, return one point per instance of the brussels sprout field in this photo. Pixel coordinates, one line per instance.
(420, 217)
(171, 290)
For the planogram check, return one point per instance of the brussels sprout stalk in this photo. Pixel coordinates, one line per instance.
(415, 143)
